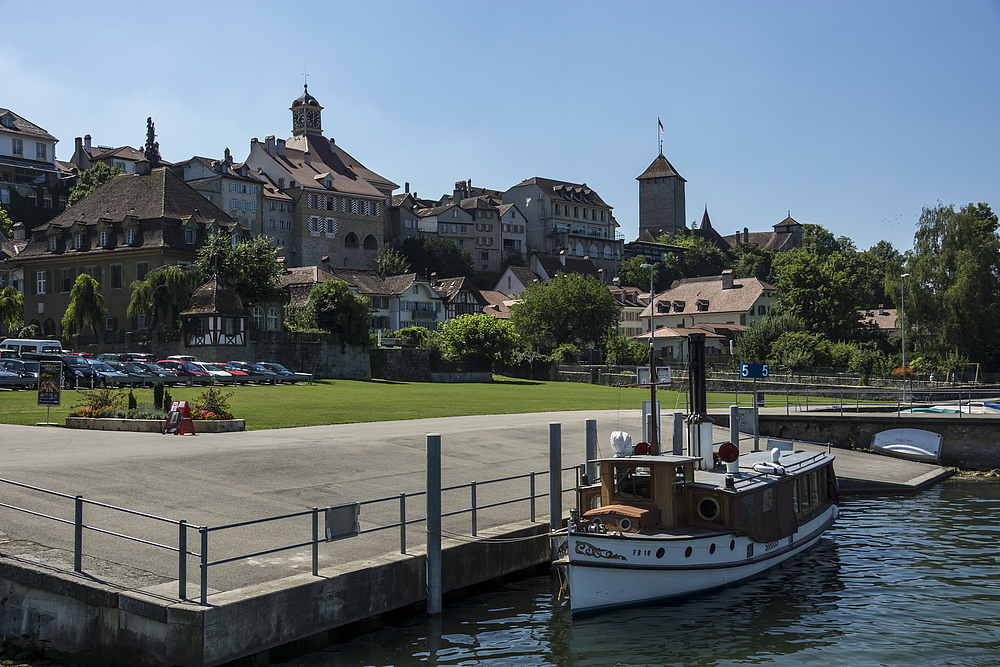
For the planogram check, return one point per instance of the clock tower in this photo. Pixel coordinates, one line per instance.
(306, 118)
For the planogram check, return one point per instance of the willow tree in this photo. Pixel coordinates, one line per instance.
(86, 306)
(161, 291)
(11, 307)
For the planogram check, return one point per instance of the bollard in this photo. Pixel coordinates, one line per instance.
(433, 523)
(678, 434)
(734, 425)
(591, 430)
(555, 480)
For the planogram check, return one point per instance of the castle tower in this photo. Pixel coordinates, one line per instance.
(661, 199)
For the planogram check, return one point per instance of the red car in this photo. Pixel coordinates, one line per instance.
(187, 370)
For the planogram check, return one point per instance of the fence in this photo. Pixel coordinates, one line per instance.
(183, 552)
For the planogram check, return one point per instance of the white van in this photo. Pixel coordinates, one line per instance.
(22, 345)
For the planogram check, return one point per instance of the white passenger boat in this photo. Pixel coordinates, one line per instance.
(909, 443)
(657, 527)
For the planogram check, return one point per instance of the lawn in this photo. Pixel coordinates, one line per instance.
(349, 401)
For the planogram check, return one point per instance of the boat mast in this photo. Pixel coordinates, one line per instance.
(654, 441)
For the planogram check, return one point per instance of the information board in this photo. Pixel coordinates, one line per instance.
(49, 382)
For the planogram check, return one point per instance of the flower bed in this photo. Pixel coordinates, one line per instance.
(154, 425)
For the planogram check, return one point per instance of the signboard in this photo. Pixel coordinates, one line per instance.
(179, 419)
(49, 382)
(662, 374)
(753, 371)
(342, 521)
(745, 420)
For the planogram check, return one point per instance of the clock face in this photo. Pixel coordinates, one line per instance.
(312, 118)
(298, 117)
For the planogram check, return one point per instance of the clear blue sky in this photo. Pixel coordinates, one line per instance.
(851, 115)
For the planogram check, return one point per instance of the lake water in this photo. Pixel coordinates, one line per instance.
(901, 580)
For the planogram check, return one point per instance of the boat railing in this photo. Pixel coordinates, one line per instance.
(173, 535)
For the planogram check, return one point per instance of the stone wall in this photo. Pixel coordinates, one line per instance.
(401, 365)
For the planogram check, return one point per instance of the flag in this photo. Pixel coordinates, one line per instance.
(660, 124)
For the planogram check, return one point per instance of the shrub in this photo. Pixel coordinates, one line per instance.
(158, 394)
(131, 400)
(213, 402)
(567, 353)
(95, 400)
(167, 399)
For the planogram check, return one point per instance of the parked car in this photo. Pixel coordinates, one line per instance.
(24, 369)
(109, 376)
(186, 371)
(158, 371)
(263, 375)
(284, 375)
(77, 371)
(15, 380)
(183, 357)
(109, 358)
(140, 356)
(134, 371)
(239, 375)
(218, 375)
(23, 345)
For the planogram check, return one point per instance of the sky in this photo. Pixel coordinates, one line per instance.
(850, 115)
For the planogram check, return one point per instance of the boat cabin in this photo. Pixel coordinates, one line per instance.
(647, 494)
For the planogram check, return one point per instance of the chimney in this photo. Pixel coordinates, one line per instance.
(281, 148)
(457, 197)
(309, 158)
(746, 235)
(229, 157)
(406, 187)
(142, 167)
(881, 309)
(86, 142)
(269, 144)
(468, 188)
(727, 279)
(78, 146)
(333, 145)
(18, 230)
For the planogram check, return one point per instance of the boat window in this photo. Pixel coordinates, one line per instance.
(814, 488)
(679, 479)
(795, 497)
(632, 482)
(748, 507)
(768, 500)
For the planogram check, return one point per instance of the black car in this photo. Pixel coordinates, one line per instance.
(78, 373)
(162, 374)
(261, 374)
(25, 369)
(284, 375)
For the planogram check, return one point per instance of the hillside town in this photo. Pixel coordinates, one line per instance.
(122, 215)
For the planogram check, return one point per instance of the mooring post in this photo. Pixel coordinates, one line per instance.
(433, 523)
(591, 450)
(678, 433)
(734, 425)
(555, 479)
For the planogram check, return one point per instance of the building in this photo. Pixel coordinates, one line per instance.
(630, 301)
(721, 301)
(568, 218)
(233, 188)
(86, 155)
(338, 204)
(661, 199)
(126, 228)
(460, 297)
(786, 235)
(30, 180)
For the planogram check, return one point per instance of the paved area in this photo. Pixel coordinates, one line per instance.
(217, 479)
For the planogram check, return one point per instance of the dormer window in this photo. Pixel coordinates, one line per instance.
(53, 242)
(77, 241)
(189, 235)
(702, 305)
(103, 239)
(235, 239)
(129, 235)
(678, 306)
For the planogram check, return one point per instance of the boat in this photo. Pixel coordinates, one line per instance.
(658, 527)
(909, 443)
(970, 408)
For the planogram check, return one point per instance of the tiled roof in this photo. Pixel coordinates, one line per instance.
(660, 168)
(884, 318)
(677, 332)
(763, 240)
(123, 152)
(524, 274)
(565, 191)
(554, 265)
(345, 174)
(497, 304)
(215, 298)
(689, 291)
(20, 125)
(449, 288)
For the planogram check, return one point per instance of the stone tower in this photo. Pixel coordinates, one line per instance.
(661, 199)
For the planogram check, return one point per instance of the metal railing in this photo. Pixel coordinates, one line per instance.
(474, 508)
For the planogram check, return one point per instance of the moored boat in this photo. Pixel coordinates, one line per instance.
(909, 443)
(658, 528)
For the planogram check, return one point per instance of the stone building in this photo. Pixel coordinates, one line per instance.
(661, 199)
(338, 204)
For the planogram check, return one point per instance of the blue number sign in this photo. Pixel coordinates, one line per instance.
(753, 370)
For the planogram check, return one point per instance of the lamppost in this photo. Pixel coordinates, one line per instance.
(654, 441)
(902, 321)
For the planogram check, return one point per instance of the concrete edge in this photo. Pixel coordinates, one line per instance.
(850, 486)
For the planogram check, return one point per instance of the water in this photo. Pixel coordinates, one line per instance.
(902, 580)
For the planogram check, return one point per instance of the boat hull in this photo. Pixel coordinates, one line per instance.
(608, 571)
(909, 443)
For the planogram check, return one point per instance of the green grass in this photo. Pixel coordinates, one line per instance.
(350, 401)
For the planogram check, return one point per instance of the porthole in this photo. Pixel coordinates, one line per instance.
(625, 525)
(708, 509)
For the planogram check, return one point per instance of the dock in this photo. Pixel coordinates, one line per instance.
(128, 593)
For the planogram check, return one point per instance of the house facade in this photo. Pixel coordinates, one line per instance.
(233, 188)
(28, 169)
(86, 155)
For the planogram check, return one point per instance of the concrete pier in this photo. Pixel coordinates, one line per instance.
(124, 607)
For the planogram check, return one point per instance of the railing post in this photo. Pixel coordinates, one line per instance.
(734, 423)
(204, 564)
(78, 536)
(315, 517)
(591, 448)
(182, 547)
(474, 517)
(532, 494)
(841, 402)
(555, 478)
(433, 523)
(402, 523)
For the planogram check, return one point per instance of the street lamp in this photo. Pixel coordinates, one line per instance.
(902, 320)
(654, 442)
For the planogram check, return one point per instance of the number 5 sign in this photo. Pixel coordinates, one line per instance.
(753, 370)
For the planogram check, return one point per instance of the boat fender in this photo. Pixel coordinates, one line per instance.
(769, 469)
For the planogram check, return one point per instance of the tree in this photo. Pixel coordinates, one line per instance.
(11, 307)
(821, 291)
(437, 255)
(6, 224)
(86, 306)
(90, 180)
(753, 346)
(152, 147)
(953, 292)
(391, 262)
(874, 265)
(341, 313)
(623, 351)
(251, 267)
(753, 262)
(821, 241)
(164, 291)
(479, 338)
(571, 308)
(700, 257)
(633, 275)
